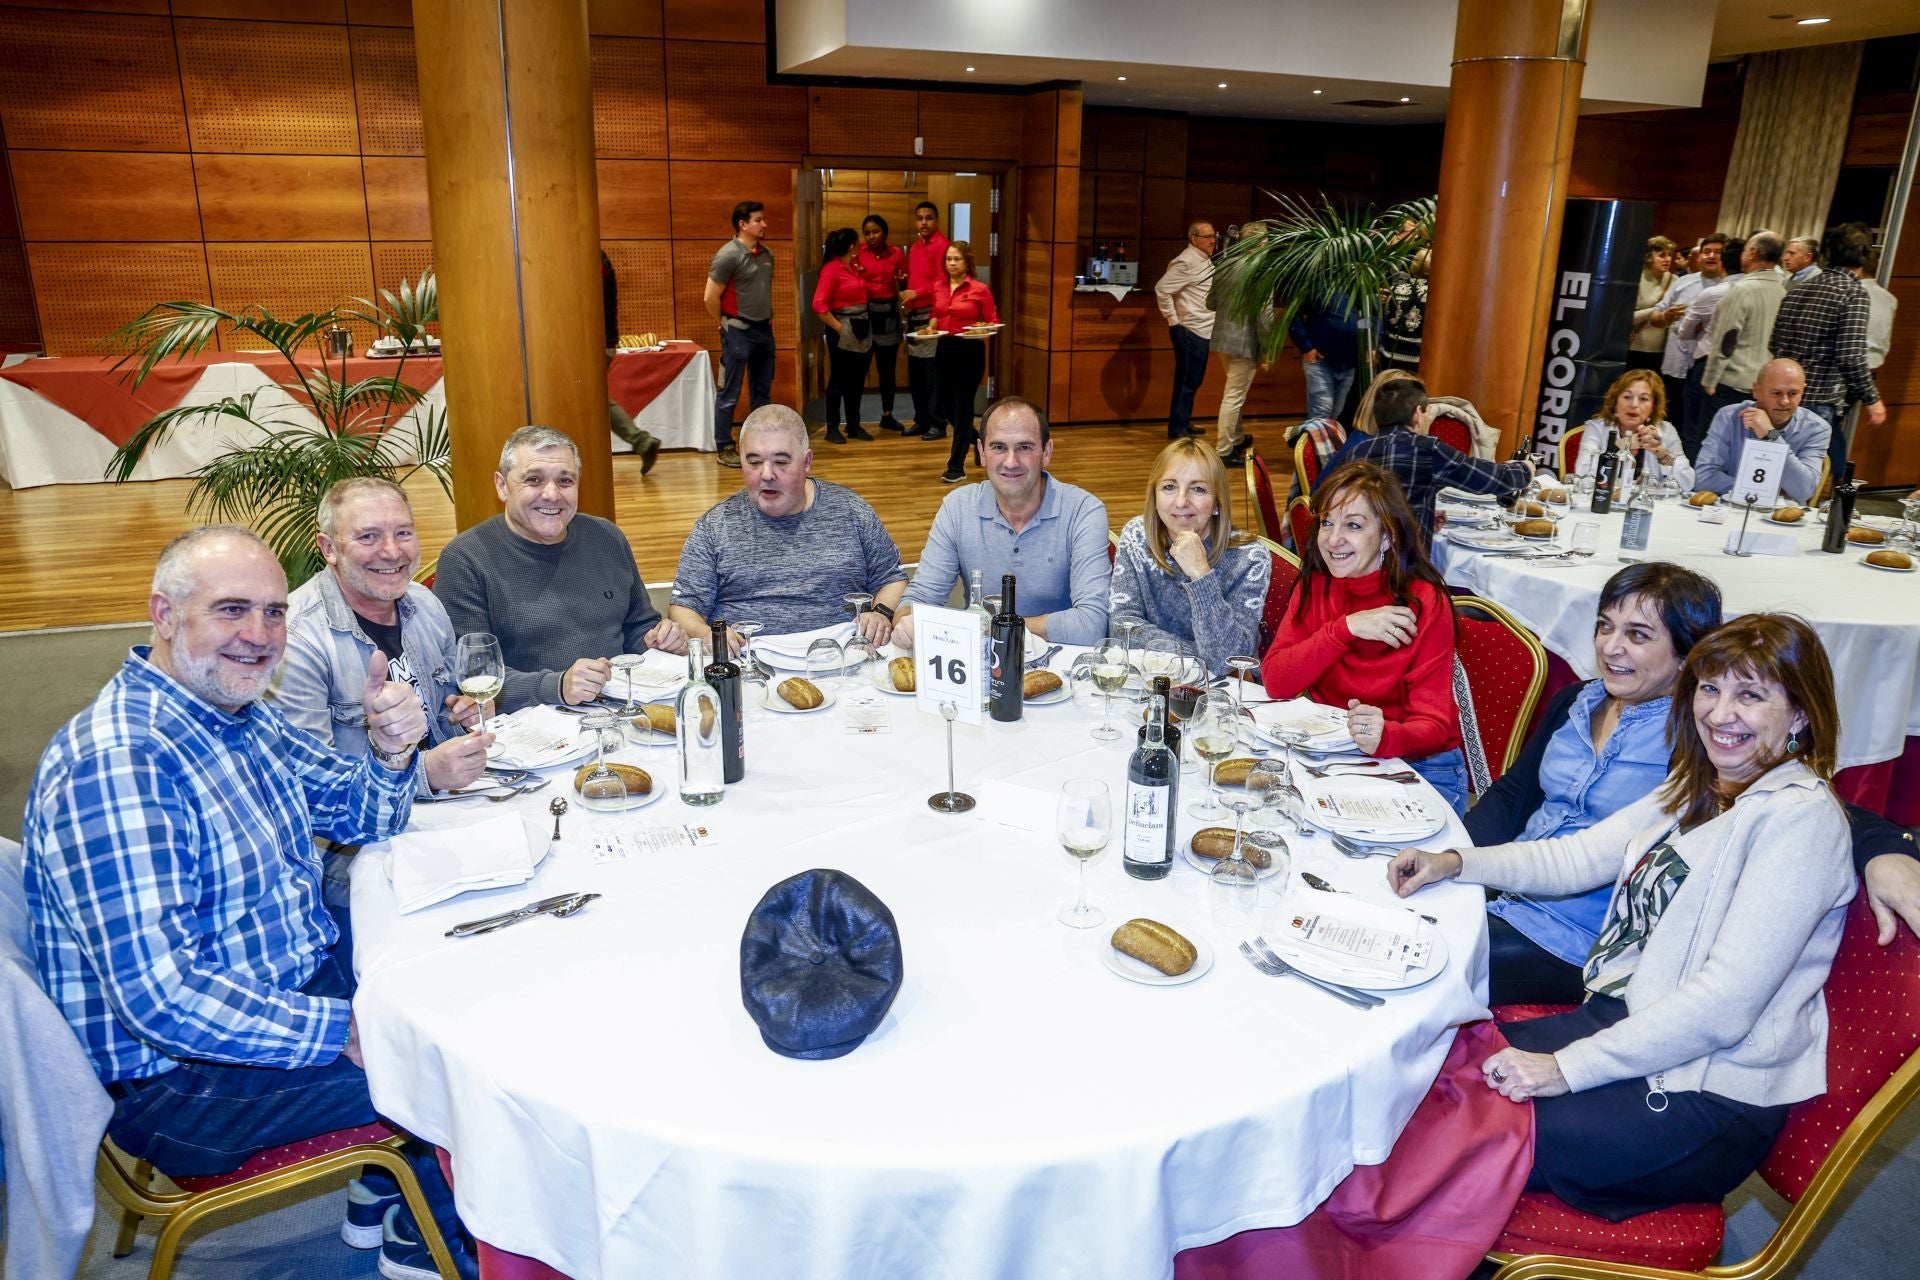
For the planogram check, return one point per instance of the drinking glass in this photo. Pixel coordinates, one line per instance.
(594, 791)
(1586, 538)
(625, 663)
(1242, 666)
(1557, 501)
(1214, 731)
(858, 659)
(825, 659)
(1128, 630)
(478, 668)
(750, 672)
(1910, 523)
(1284, 797)
(605, 798)
(1109, 676)
(1083, 819)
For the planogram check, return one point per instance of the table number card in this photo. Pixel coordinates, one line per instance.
(1761, 464)
(947, 646)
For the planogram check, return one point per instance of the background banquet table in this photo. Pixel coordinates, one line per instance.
(611, 1110)
(1868, 619)
(670, 393)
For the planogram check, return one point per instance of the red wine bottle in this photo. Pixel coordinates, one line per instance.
(724, 675)
(1006, 687)
(1146, 851)
(1162, 688)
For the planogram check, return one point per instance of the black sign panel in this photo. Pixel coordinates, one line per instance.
(1603, 246)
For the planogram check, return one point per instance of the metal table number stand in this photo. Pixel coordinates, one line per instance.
(950, 800)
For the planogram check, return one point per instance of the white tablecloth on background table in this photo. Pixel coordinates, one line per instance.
(1868, 619)
(682, 414)
(612, 1111)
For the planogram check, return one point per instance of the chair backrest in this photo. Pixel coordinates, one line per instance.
(1260, 497)
(1570, 449)
(1873, 1036)
(1300, 521)
(1448, 429)
(1286, 573)
(1113, 546)
(1506, 671)
(1306, 463)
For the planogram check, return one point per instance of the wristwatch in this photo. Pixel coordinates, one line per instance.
(883, 611)
(394, 760)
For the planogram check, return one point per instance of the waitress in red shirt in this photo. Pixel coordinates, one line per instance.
(884, 268)
(840, 300)
(958, 301)
(1371, 628)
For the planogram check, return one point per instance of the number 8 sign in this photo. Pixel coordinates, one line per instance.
(947, 644)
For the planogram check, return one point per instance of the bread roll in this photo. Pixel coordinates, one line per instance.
(1528, 507)
(1704, 498)
(1035, 683)
(1890, 559)
(637, 780)
(900, 671)
(1788, 514)
(1233, 773)
(657, 717)
(1534, 528)
(1556, 496)
(796, 692)
(1215, 843)
(1151, 942)
(1862, 534)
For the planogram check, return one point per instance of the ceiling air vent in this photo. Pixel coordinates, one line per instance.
(1376, 104)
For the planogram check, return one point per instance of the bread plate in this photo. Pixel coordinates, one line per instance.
(1063, 694)
(1800, 519)
(1147, 976)
(774, 702)
(661, 785)
(880, 678)
(1885, 568)
(1205, 866)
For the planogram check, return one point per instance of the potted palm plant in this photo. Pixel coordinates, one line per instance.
(292, 446)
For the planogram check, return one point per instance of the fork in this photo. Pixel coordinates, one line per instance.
(1273, 966)
(1040, 663)
(1407, 776)
(505, 796)
(1354, 849)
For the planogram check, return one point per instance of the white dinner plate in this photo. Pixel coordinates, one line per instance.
(1205, 866)
(1434, 818)
(774, 702)
(1884, 568)
(649, 739)
(578, 748)
(662, 783)
(1475, 499)
(1312, 962)
(1063, 694)
(880, 678)
(1148, 976)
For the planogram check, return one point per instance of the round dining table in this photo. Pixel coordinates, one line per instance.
(1023, 1110)
(1867, 618)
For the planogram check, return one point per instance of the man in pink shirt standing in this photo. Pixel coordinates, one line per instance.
(1182, 293)
(925, 269)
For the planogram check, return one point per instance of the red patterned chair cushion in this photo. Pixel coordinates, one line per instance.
(1450, 430)
(1570, 450)
(1504, 672)
(1684, 1238)
(1279, 592)
(1300, 523)
(1262, 485)
(293, 1153)
(1528, 1012)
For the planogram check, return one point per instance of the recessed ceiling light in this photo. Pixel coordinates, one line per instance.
(969, 70)
(1811, 22)
(1406, 99)
(1119, 77)
(1318, 92)
(1222, 84)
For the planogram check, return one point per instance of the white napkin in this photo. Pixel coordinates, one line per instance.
(789, 652)
(1325, 727)
(431, 866)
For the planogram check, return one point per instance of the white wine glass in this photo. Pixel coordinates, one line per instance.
(1083, 819)
(1109, 676)
(1214, 731)
(478, 668)
(624, 663)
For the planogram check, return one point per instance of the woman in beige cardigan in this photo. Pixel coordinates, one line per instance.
(1648, 341)
(1704, 1020)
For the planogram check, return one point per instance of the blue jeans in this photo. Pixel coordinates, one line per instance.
(1835, 416)
(745, 355)
(1189, 371)
(1327, 388)
(1447, 771)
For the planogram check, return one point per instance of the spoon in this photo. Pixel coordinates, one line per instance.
(1315, 882)
(504, 796)
(556, 807)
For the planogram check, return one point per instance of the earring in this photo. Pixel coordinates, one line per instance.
(1793, 745)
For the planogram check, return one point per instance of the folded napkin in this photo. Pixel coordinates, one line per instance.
(1324, 727)
(1359, 937)
(791, 650)
(431, 866)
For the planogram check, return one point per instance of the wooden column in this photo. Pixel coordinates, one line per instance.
(1511, 110)
(506, 102)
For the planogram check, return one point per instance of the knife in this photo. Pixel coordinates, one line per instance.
(518, 913)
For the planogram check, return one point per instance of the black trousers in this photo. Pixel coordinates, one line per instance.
(1608, 1151)
(846, 380)
(1643, 360)
(1524, 972)
(884, 364)
(962, 364)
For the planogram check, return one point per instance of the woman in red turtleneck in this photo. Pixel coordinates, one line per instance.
(1370, 628)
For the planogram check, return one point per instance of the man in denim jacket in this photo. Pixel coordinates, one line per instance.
(367, 600)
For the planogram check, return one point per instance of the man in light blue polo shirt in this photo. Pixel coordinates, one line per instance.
(1051, 535)
(1774, 413)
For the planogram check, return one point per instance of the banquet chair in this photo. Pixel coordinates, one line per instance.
(1450, 430)
(424, 574)
(1285, 573)
(1506, 669)
(1570, 449)
(1300, 521)
(1306, 463)
(1873, 1074)
(1260, 498)
(1113, 546)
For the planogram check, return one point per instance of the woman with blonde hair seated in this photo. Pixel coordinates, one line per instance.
(1705, 1018)
(1635, 410)
(1179, 569)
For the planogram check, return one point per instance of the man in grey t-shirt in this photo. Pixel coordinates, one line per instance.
(784, 550)
(739, 297)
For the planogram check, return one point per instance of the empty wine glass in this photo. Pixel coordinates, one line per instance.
(858, 658)
(478, 668)
(1109, 676)
(624, 663)
(857, 604)
(600, 721)
(1127, 630)
(825, 660)
(1242, 666)
(605, 797)
(1214, 731)
(1083, 820)
(1282, 807)
(750, 670)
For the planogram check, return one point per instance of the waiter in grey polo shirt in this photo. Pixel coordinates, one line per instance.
(1051, 535)
(739, 297)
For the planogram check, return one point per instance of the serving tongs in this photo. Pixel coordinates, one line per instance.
(560, 905)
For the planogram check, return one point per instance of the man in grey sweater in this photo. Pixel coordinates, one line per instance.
(560, 590)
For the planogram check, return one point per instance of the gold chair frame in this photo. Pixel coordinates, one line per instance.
(1531, 703)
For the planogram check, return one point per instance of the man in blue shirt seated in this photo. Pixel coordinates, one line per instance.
(1774, 413)
(175, 891)
(1051, 535)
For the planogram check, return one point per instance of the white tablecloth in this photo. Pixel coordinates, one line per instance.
(1868, 619)
(1022, 1111)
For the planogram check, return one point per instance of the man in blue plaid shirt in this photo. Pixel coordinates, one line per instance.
(1823, 325)
(1422, 464)
(175, 890)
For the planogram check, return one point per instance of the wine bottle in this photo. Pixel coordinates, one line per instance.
(1162, 688)
(1147, 851)
(724, 675)
(1638, 529)
(1005, 687)
(977, 605)
(1603, 479)
(1840, 512)
(699, 732)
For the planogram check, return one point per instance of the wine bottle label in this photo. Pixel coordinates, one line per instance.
(1149, 810)
(1635, 532)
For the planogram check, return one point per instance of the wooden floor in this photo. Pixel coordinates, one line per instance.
(74, 555)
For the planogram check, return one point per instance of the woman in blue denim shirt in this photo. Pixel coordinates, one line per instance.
(1600, 746)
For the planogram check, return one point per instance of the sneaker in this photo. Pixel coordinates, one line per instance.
(952, 475)
(728, 457)
(890, 423)
(405, 1257)
(858, 432)
(649, 454)
(366, 1210)
(834, 436)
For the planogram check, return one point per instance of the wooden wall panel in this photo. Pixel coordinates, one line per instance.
(744, 20)
(105, 195)
(975, 126)
(398, 260)
(85, 294)
(268, 87)
(1116, 209)
(133, 98)
(284, 10)
(629, 98)
(862, 122)
(104, 6)
(1100, 322)
(1036, 203)
(644, 269)
(1033, 273)
(633, 200)
(386, 85)
(397, 198)
(624, 17)
(1221, 203)
(1121, 144)
(720, 106)
(290, 279)
(1165, 153)
(1163, 205)
(281, 197)
(1039, 128)
(18, 326)
(380, 13)
(691, 261)
(704, 193)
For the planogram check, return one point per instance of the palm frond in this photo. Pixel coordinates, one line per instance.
(166, 329)
(154, 432)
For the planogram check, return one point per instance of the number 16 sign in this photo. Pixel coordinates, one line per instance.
(947, 644)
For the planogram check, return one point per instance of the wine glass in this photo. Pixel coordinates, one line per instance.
(1083, 819)
(478, 668)
(1242, 666)
(1109, 676)
(825, 659)
(859, 656)
(1128, 630)
(605, 798)
(857, 604)
(1214, 731)
(750, 670)
(624, 663)
(1282, 805)
(600, 721)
